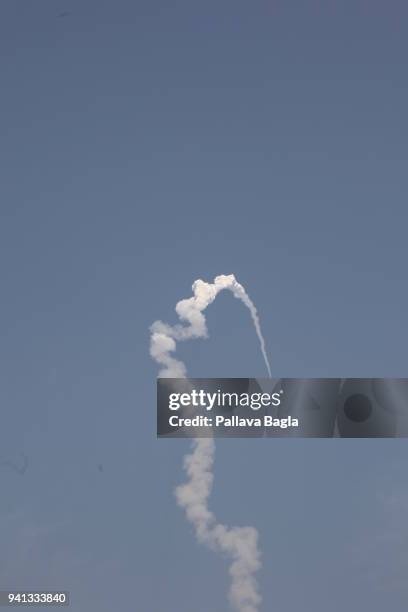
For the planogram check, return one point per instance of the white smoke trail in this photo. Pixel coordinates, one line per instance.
(238, 543)
(191, 311)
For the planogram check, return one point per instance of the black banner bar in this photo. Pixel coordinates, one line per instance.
(282, 407)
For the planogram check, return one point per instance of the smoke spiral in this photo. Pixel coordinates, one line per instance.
(240, 544)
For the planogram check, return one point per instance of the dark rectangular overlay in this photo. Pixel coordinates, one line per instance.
(282, 407)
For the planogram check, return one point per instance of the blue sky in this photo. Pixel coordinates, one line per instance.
(146, 144)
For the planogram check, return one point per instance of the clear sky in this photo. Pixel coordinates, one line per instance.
(148, 143)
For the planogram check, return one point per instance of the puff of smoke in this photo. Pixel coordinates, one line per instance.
(240, 544)
(163, 337)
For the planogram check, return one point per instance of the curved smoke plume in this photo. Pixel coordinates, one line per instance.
(240, 544)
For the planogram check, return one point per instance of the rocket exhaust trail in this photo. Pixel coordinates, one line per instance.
(240, 544)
